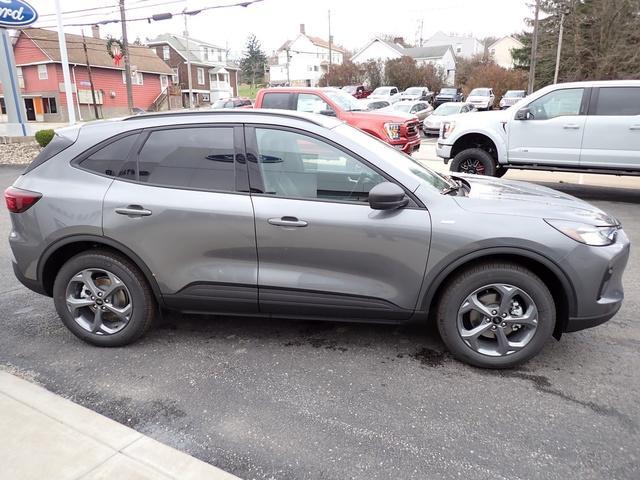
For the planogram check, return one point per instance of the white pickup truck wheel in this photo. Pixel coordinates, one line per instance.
(475, 161)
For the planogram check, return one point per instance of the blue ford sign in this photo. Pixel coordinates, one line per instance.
(16, 13)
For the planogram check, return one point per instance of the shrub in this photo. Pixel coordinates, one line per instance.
(43, 137)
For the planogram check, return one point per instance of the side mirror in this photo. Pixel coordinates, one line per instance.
(328, 113)
(387, 196)
(524, 114)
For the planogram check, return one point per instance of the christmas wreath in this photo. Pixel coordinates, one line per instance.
(115, 49)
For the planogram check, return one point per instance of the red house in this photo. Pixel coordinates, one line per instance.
(37, 55)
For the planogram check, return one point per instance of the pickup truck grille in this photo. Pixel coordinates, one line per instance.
(412, 128)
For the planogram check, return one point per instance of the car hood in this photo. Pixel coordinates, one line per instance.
(474, 98)
(432, 119)
(509, 197)
(483, 118)
(382, 115)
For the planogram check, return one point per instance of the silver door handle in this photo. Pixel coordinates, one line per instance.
(634, 127)
(571, 126)
(133, 211)
(287, 222)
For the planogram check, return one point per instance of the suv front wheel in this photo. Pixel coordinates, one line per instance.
(475, 161)
(104, 299)
(496, 315)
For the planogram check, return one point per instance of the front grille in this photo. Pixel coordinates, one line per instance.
(412, 128)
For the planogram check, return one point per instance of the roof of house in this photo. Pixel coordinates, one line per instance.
(317, 41)
(437, 51)
(143, 58)
(179, 44)
(414, 52)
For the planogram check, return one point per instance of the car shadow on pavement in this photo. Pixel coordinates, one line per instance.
(596, 192)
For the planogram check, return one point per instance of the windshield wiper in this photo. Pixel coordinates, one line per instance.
(454, 187)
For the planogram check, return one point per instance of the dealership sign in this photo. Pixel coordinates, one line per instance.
(16, 13)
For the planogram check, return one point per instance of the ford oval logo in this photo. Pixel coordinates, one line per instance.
(16, 13)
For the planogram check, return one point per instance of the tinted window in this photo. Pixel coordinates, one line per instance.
(110, 159)
(618, 101)
(55, 146)
(199, 158)
(277, 100)
(557, 104)
(295, 165)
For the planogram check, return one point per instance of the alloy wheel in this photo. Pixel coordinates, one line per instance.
(497, 320)
(99, 301)
(473, 166)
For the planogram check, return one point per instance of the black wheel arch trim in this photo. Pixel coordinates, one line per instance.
(450, 267)
(109, 242)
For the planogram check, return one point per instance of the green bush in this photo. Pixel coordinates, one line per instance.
(43, 137)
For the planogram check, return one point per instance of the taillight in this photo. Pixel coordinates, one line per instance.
(19, 201)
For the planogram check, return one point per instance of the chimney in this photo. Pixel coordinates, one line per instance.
(399, 41)
(95, 31)
(302, 29)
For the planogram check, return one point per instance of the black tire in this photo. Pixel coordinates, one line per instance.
(500, 171)
(474, 160)
(142, 300)
(468, 281)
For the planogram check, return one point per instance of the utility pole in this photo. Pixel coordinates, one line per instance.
(93, 91)
(127, 63)
(288, 60)
(555, 75)
(188, 53)
(68, 89)
(534, 48)
(330, 55)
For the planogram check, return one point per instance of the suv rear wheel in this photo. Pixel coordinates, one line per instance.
(104, 299)
(496, 315)
(475, 161)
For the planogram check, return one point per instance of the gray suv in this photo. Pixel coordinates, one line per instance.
(289, 215)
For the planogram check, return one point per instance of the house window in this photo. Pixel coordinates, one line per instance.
(459, 48)
(49, 105)
(174, 78)
(3, 107)
(164, 82)
(165, 52)
(42, 72)
(200, 76)
(203, 53)
(20, 77)
(136, 78)
(219, 55)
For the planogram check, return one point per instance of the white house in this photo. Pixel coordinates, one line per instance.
(303, 60)
(501, 51)
(462, 45)
(441, 56)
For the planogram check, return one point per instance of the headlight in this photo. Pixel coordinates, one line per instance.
(447, 128)
(393, 130)
(593, 235)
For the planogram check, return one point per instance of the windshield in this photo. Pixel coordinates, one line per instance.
(448, 91)
(424, 175)
(413, 91)
(403, 107)
(349, 89)
(344, 100)
(514, 94)
(479, 92)
(447, 109)
(381, 91)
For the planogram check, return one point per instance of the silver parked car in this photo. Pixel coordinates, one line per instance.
(418, 108)
(511, 97)
(431, 124)
(291, 215)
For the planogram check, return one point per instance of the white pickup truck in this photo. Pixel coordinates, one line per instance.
(590, 127)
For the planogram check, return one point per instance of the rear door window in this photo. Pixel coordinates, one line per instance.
(618, 101)
(279, 100)
(311, 103)
(113, 159)
(195, 158)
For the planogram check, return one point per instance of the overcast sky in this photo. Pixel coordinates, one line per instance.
(353, 22)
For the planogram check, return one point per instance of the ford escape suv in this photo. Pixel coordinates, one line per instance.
(283, 214)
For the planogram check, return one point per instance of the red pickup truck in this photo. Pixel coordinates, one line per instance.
(401, 131)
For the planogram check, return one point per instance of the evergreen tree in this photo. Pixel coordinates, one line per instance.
(254, 61)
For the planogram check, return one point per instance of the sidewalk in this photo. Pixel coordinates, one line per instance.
(43, 435)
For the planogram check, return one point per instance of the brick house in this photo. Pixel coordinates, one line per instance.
(212, 75)
(37, 55)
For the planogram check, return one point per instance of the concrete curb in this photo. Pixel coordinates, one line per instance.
(47, 436)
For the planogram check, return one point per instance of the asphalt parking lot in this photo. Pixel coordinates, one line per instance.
(291, 400)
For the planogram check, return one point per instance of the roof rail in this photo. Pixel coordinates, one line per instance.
(228, 111)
